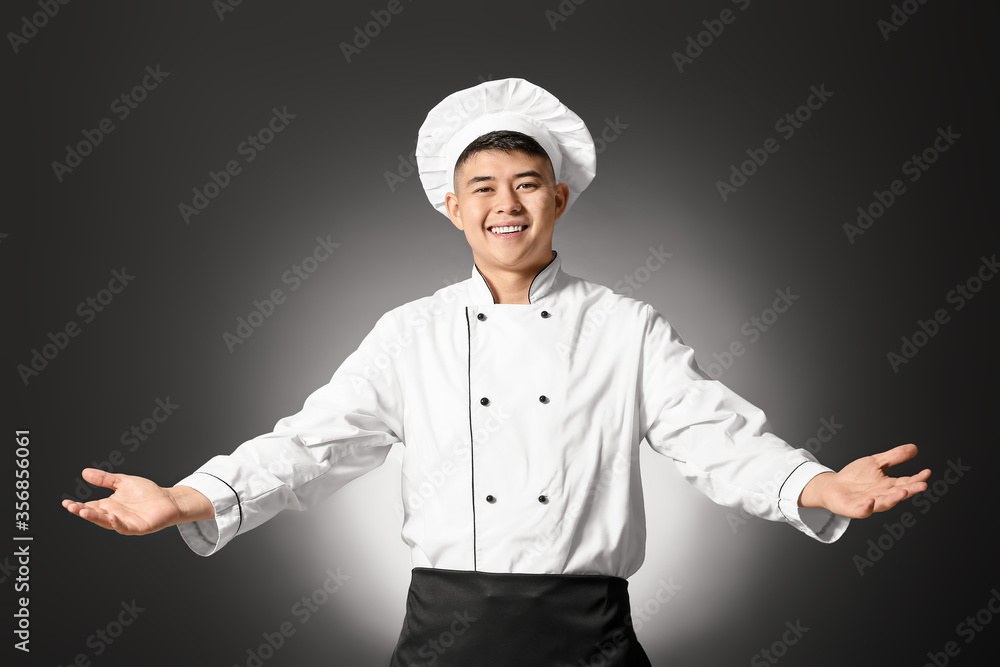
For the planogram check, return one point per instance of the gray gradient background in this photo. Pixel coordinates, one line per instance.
(324, 175)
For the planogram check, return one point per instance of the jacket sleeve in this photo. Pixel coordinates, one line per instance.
(719, 441)
(344, 430)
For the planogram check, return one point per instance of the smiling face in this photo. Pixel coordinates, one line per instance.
(507, 204)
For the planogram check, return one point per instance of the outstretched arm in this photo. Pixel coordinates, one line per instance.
(862, 487)
(139, 506)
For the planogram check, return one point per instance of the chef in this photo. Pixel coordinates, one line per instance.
(528, 391)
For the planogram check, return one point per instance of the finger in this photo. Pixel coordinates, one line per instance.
(94, 515)
(75, 507)
(115, 524)
(895, 456)
(914, 488)
(106, 519)
(97, 477)
(864, 509)
(920, 477)
(890, 500)
(900, 493)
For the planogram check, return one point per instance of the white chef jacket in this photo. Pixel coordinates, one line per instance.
(521, 426)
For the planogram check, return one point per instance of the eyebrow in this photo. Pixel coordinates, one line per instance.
(524, 174)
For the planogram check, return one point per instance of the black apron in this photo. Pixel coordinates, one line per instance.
(458, 618)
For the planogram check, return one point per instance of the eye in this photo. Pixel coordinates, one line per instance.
(482, 189)
(530, 185)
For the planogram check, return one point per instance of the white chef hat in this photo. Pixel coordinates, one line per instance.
(507, 104)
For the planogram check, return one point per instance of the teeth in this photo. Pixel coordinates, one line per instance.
(507, 230)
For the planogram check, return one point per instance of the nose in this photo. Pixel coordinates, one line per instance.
(507, 201)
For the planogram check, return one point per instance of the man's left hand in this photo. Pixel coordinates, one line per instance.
(862, 487)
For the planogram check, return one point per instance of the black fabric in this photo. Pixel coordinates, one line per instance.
(457, 618)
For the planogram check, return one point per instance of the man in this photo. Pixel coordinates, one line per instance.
(531, 391)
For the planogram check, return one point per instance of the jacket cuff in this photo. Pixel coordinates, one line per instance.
(816, 522)
(209, 535)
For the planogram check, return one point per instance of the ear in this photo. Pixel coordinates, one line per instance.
(562, 199)
(454, 213)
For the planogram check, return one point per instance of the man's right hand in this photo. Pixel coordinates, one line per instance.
(139, 506)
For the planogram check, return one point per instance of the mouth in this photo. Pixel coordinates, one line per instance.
(506, 231)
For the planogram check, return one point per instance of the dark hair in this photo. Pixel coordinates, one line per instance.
(502, 140)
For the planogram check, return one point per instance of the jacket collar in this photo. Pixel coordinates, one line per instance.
(543, 284)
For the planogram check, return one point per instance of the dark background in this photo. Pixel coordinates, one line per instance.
(325, 176)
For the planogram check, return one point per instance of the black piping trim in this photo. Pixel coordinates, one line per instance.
(789, 477)
(472, 448)
(492, 295)
(540, 273)
(238, 505)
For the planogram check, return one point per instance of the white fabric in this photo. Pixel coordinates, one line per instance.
(507, 104)
(502, 121)
(612, 371)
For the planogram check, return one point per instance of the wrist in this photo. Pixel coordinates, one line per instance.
(812, 494)
(191, 504)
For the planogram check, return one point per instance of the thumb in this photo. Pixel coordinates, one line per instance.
(895, 456)
(97, 477)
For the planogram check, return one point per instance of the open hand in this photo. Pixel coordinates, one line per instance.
(138, 506)
(862, 487)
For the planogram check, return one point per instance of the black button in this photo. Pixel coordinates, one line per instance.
(484, 401)
(481, 317)
(543, 399)
(490, 499)
(546, 313)
(543, 499)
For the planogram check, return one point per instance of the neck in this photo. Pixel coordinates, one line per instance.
(512, 285)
